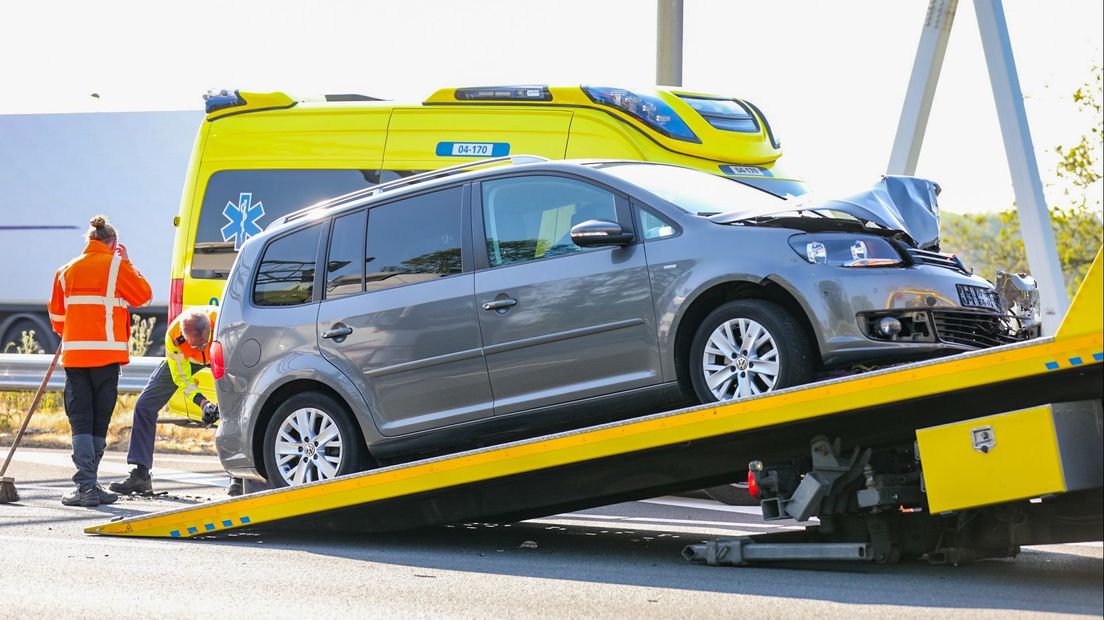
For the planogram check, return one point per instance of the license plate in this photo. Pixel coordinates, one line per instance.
(746, 171)
(978, 297)
(473, 149)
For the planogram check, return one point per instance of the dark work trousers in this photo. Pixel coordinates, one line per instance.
(154, 396)
(90, 395)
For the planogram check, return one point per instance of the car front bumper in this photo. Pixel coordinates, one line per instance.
(839, 302)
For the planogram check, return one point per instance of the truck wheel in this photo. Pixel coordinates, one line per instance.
(311, 437)
(748, 347)
(12, 336)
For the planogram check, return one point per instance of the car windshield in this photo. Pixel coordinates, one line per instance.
(693, 191)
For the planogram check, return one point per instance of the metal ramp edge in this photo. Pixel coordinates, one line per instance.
(1078, 345)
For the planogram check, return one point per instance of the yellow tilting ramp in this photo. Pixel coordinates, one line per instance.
(677, 450)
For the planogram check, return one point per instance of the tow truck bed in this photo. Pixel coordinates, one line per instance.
(672, 451)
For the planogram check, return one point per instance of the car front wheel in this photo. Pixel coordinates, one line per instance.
(748, 347)
(311, 437)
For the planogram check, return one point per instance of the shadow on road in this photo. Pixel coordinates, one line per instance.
(1059, 582)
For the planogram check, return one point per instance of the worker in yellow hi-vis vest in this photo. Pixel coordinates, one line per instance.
(187, 350)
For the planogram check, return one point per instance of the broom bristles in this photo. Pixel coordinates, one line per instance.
(8, 493)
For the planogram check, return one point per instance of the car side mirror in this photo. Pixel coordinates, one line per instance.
(593, 233)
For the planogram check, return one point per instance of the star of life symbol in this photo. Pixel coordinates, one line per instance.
(243, 219)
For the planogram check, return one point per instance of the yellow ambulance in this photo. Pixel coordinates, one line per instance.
(259, 156)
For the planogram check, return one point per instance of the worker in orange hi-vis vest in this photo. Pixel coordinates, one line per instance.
(88, 308)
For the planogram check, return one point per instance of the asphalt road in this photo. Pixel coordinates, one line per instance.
(618, 561)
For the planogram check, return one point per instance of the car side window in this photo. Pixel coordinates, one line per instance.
(345, 260)
(285, 275)
(529, 218)
(655, 227)
(413, 240)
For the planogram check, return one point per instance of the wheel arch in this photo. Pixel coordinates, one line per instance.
(720, 293)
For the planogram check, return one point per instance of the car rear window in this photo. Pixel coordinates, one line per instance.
(241, 203)
(285, 275)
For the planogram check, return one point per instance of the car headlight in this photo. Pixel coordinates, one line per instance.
(846, 250)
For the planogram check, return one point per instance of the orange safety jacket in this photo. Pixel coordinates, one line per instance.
(88, 306)
(178, 352)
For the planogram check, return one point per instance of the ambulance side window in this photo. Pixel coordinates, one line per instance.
(239, 204)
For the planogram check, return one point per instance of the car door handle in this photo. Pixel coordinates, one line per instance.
(500, 304)
(338, 333)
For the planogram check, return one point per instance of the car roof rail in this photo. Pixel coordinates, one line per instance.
(451, 170)
(413, 179)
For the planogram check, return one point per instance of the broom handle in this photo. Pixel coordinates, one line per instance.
(30, 412)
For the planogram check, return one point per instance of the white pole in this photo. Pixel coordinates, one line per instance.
(669, 42)
(1042, 256)
(921, 87)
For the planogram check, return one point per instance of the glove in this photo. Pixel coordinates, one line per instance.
(210, 413)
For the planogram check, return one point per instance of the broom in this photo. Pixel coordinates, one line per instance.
(8, 493)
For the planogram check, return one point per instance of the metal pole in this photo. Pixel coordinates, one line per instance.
(1038, 237)
(921, 88)
(669, 43)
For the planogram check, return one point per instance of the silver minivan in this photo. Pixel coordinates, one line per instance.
(465, 308)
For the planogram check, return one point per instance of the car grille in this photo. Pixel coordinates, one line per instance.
(974, 329)
(938, 259)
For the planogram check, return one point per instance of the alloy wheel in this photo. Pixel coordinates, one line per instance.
(740, 359)
(308, 447)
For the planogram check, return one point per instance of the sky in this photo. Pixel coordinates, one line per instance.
(831, 76)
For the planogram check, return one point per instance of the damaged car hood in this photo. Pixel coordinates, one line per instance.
(905, 204)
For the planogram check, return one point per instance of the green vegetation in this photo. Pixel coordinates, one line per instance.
(27, 344)
(991, 242)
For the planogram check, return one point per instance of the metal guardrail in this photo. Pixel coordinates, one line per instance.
(19, 372)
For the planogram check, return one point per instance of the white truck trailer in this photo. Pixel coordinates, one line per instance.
(56, 172)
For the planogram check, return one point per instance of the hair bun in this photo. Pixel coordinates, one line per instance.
(98, 222)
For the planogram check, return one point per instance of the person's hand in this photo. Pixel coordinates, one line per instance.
(121, 250)
(210, 412)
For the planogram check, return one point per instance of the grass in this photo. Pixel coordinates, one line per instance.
(49, 428)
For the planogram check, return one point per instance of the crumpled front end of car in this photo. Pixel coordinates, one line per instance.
(984, 317)
(877, 288)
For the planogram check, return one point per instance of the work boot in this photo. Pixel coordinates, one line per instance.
(138, 482)
(236, 487)
(84, 495)
(106, 497)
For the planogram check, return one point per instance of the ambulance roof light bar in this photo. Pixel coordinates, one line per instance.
(504, 93)
(215, 100)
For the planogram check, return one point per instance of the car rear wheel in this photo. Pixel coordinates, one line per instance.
(311, 437)
(748, 347)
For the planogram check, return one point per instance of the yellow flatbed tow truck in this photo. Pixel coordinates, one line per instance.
(953, 459)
